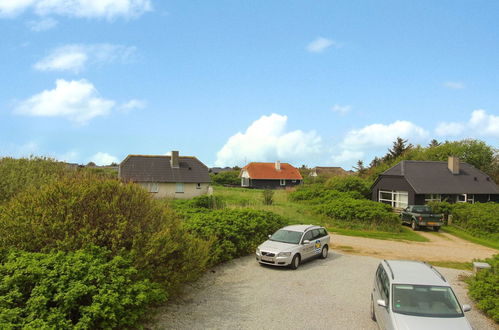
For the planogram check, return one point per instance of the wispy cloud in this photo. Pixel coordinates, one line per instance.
(103, 158)
(74, 58)
(320, 44)
(132, 105)
(342, 109)
(43, 24)
(107, 9)
(454, 85)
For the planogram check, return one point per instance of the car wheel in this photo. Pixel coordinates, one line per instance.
(414, 226)
(295, 263)
(373, 316)
(324, 252)
(436, 228)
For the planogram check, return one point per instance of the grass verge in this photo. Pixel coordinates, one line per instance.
(452, 264)
(405, 235)
(466, 236)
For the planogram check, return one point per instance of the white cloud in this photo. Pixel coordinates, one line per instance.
(103, 158)
(43, 24)
(454, 85)
(132, 105)
(266, 140)
(75, 57)
(77, 100)
(342, 109)
(376, 138)
(108, 9)
(479, 124)
(320, 44)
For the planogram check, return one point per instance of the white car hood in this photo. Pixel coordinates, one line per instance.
(273, 246)
(409, 322)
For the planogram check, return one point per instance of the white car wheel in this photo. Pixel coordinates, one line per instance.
(324, 252)
(295, 263)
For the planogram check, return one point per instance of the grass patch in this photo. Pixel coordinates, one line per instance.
(452, 264)
(466, 236)
(405, 235)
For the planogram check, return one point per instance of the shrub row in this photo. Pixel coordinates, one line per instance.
(361, 213)
(479, 219)
(85, 289)
(233, 232)
(317, 194)
(484, 288)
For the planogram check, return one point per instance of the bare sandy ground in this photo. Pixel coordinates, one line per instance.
(441, 247)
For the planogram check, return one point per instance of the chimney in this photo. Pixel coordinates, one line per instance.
(453, 164)
(174, 159)
(278, 165)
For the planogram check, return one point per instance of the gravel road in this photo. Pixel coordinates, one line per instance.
(322, 294)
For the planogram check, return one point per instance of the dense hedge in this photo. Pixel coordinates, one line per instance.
(361, 213)
(350, 183)
(227, 178)
(318, 193)
(479, 219)
(484, 288)
(82, 289)
(234, 232)
(73, 213)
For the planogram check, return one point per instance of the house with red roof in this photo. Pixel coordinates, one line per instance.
(270, 175)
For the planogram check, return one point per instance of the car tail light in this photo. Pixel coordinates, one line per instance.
(420, 218)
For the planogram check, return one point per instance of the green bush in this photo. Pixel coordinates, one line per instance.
(227, 178)
(479, 219)
(18, 174)
(82, 289)
(235, 232)
(361, 213)
(268, 196)
(319, 194)
(350, 183)
(208, 202)
(484, 288)
(73, 213)
(444, 208)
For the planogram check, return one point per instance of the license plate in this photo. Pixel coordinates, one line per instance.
(267, 258)
(432, 223)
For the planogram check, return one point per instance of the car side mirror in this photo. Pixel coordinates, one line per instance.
(381, 303)
(270, 236)
(466, 308)
(306, 241)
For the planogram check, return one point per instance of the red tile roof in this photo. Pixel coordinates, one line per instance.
(268, 171)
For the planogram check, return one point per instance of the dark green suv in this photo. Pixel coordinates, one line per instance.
(418, 216)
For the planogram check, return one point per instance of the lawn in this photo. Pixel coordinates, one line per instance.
(466, 236)
(299, 213)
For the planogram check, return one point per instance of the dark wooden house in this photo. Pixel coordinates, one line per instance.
(270, 176)
(419, 182)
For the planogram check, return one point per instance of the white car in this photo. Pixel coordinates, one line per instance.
(290, 245)
(410, 295)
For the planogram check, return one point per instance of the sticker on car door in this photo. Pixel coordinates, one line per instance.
(318, 246)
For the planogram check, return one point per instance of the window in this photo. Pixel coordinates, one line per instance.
(198, 186)
(282, 182)
(399, 199)
(244, 182)
(432, 198)
(316, 234)
(179, 187)
(152, 187)
(323, 232)
(294, 181)
(308, 236)
(461, 198)
(470, 198)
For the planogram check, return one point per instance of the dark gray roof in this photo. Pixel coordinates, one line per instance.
(428, 177)
(140, 168)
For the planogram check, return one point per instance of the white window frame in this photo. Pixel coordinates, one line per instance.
(463, 201)
(152, 187)
(432, 198)
(395, 200)
(179, 188)
(244, 182)
(282, 182)
(198, 186)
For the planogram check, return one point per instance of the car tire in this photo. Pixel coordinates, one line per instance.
(414, 226)
(324, 252)
(295, 262)
(373, 316)
(436, 228)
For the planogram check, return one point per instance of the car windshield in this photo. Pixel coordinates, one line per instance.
(421, 209)
(286, 236)
(425, 300)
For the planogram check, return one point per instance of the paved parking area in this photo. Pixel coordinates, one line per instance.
(322, 294)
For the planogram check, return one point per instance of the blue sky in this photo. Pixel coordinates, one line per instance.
(315, 83)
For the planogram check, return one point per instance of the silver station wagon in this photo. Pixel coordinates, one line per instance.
(290, 245)
(414, 295)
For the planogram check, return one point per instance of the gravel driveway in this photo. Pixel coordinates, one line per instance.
(322, 294)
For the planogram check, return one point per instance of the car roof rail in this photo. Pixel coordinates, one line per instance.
(436, 271)
(389, 267)
(310, 226)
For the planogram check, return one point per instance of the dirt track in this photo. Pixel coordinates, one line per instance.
(442, 247)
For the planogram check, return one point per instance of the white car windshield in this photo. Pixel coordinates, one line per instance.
(425, 300)
(286, 236)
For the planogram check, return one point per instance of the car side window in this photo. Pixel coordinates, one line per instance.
(322, 232)
(383, 284)
(315, 234)
(308, 236)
